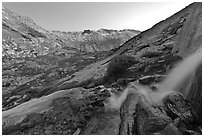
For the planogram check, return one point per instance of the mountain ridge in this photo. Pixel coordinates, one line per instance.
(27, 26)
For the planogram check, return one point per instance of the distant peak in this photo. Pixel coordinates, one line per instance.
(87, 31)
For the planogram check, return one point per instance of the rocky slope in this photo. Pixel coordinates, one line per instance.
(33, 58)
(78, 103)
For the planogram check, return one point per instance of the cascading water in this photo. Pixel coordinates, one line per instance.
(182, 71)
(115, 101)
(169, 85)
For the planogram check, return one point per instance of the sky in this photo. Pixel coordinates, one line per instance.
(79, 16)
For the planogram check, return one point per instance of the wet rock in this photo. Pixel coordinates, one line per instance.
(151, 121)
(127, 114)
(194, 92)
(180, 110)
(177, 106)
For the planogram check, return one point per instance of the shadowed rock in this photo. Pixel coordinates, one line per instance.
(103, 123)
(151, 121)
(180, 110)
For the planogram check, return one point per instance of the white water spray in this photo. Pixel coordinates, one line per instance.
(168, 86)
(181, 72)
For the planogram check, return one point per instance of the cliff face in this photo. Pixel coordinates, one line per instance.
(187, 42)
(190, 37)
(78, 102)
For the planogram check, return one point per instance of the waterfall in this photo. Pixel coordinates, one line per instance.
(178, 76)
(181, 72)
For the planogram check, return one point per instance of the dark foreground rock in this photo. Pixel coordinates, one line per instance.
(103, 123)
(82, 111)
(183, 114)
(151, 121)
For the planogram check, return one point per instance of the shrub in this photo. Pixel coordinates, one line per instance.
(118, 65)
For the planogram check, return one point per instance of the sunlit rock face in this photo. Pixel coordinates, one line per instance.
(190, 37)
(77, 93)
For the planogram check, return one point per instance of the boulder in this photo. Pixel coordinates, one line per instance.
(150, 120)
(180, 110)
(103, 123)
